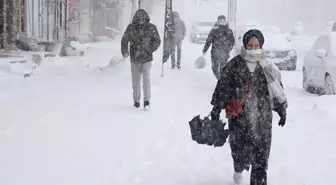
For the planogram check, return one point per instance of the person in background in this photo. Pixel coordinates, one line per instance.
(222, 40)
(144, 40)
(180, 33)
(247, 96)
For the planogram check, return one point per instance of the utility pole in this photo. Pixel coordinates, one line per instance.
(65, 19)
(48, 17)
(5, 24)
(139, 4)
(39, 17)
(232, 15)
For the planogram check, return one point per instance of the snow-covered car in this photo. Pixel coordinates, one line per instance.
(319, 66)
(200, 31)
(277, 46)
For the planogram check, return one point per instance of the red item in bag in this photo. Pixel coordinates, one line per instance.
(234, 108)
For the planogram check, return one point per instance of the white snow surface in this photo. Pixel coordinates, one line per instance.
(73, 124)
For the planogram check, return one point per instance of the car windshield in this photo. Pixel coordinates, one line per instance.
(205, 24)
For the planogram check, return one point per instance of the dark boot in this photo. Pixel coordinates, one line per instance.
(136, 104)
(146, 105)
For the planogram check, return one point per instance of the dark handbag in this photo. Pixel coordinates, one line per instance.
(234, 108)
(209, 132)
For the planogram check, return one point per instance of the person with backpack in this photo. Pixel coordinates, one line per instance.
(249, 89)
(180, 33)
(140, 40)
(222, 40)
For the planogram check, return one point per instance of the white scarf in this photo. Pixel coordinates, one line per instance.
(251, 57)
(273, 77)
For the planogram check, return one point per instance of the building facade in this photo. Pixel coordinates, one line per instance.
(10, 23)
(46, 20)
(42, 20)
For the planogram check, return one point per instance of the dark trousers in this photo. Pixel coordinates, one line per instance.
(219, 60)
(178, 45)
(246, 152)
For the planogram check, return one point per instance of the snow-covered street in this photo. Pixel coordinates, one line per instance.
(72, 124)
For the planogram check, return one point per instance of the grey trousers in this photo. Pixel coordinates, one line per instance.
(141, 71)
(178, 46)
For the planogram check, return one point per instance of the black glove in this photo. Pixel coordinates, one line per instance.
(283, 114)
(222, 140)
(215, 113)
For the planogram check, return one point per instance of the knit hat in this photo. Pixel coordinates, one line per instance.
(221, 17)
(253, 33)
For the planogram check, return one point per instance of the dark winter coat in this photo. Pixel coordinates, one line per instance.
(222, 40)
(180, 28)
(254, 127)
(144, 39)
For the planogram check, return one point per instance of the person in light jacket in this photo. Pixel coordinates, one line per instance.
(180, 33)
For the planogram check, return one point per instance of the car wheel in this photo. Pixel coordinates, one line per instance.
(305, 84)
(328, 86)
(292, 68)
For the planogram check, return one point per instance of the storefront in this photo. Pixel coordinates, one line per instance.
(10, 24)
(45, 20)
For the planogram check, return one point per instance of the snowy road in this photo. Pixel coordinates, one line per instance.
(72, 125)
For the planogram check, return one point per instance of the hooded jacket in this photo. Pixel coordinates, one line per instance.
(180, 28)
(144, 38)
(222, 39)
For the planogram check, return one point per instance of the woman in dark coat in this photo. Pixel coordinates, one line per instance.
(243, 91)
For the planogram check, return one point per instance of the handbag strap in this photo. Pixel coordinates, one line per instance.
(248, 88)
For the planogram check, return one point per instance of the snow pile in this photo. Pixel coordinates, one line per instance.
(15, 66)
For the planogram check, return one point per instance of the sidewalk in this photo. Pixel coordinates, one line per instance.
(19, 62)
(100, 53)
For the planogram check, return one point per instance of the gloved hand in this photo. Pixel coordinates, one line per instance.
(126, 55)
(223, 139)
(215, 113)
(283, 114)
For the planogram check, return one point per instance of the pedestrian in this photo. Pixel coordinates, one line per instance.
(144, 39)
(247, 95)
(180, 33)
(222, 40)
